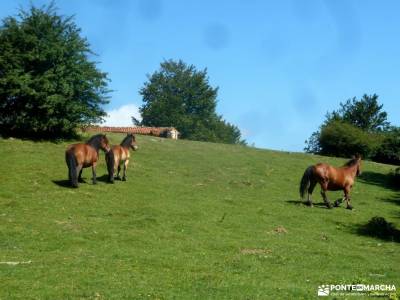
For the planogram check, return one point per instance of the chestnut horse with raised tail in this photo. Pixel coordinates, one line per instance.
(331, 179)
(84, 155)
(120, 154)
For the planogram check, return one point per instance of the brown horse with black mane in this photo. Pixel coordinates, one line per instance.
(120, 154)
(84, 155)
(331, 179)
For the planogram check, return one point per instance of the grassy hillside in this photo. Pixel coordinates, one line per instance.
(193, 221)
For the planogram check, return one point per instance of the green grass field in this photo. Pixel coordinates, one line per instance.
(194, 221)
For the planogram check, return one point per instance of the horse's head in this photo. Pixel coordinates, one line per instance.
(104, 143)
(133, 143)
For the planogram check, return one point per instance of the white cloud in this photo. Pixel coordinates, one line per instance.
(122, 116)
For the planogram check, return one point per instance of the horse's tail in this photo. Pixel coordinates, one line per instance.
(110, 165)
(71, 163)
(306, 181)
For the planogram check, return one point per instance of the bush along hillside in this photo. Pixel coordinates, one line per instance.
(360, 126)
(194, 220)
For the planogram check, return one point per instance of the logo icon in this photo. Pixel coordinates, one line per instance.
(359, 287)
(323, 290)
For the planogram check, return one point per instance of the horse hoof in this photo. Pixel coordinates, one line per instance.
(337, 204)
(329, 206)
(123, 179)
(349, 207)
(94, 182)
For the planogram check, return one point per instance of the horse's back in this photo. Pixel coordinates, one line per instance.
(321, 170)
(120, 154)
(71, 150)
(85, 155)
(330, 175)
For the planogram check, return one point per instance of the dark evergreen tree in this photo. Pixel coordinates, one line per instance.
(179, 95)
(48, 84)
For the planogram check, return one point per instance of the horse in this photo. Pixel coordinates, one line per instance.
(120, 154)
(331, 179)
(84, 155)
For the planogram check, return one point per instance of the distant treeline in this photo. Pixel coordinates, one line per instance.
(49, 87)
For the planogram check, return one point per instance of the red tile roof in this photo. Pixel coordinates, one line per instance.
(155, 131)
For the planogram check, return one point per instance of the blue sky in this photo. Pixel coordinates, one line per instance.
(279, 65)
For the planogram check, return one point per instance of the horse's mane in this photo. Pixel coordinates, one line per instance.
(351, 162)
(126, 142)
(95, 141)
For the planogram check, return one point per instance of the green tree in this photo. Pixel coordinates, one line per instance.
(365, 113)
(356, 127)
(338, 138)
(48, 85)
(179, 95)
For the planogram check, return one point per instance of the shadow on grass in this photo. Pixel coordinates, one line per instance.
(394, 200)
(62, 183)
(378, 227)
(305, 203)
(66, 184)
(387, 181)
(103, 178)
(383, 180)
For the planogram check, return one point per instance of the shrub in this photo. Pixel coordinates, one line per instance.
(338, 138)
(389, 151)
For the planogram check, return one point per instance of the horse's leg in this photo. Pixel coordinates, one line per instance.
(309, 201)
(324, 188)
(119, 170)
(79, 171)
(310, 191)
(80, 176)
(347, 197)
(94, 173)
(126, 162)
(339, 201)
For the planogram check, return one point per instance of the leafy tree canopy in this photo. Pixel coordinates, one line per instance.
(48, 85)
(339, 138)
(179, 95)
(359, 126)
(365, 113)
